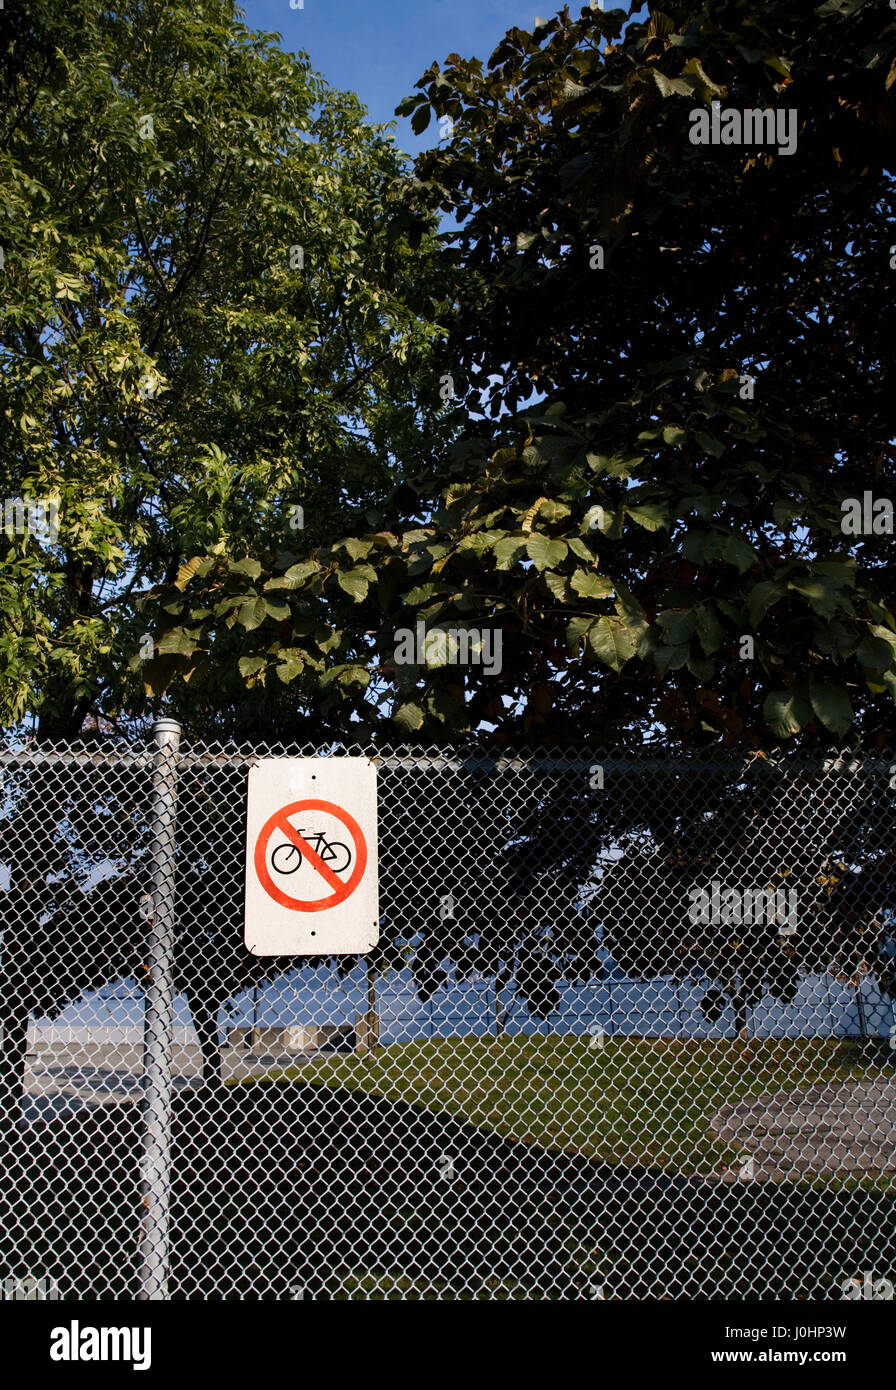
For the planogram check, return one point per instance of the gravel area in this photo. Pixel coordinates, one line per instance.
(847, 1130)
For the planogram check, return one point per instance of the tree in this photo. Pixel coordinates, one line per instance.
(659, 537)
(653, 868)
(216, 312)
(817, 838)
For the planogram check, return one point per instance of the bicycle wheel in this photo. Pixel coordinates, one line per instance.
(337, 856)
(286, 853)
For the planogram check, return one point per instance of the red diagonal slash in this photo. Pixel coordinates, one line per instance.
(311, 855)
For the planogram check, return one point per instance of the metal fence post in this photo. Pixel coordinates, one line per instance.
(158, 1021)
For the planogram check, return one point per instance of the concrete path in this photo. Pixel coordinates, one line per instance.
(844, 1131)
(62, 1078)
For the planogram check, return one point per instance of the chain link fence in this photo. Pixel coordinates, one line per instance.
(627, 1033)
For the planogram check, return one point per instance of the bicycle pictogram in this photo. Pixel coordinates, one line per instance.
(288, 858)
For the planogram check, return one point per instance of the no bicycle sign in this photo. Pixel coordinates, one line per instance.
(311, 857)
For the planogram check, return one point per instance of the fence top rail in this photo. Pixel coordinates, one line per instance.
(436, 760)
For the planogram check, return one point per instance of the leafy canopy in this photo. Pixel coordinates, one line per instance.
(670, 369)
(215, 313)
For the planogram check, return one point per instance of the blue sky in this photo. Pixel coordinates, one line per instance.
(379, 48)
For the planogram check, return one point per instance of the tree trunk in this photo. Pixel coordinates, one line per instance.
(372, 1020)
(860, 1009)
(740, 1017)
(205, 1021)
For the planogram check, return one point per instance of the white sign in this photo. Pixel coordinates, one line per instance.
(311, 857)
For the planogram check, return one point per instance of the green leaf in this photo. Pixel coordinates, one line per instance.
(598, 518)
(675, 86)
(507, 550)
(670, 658)
(573, 90)
(882, 615)
(677, 627)
(354, 675)
(353, 583)
(709, 629)
(577, 628)
(786, 712)
(358, 549)
(843, 572)
(557, 585)
(419, 122)
(651, 515)
(250, 567)
(628, 607)
(674, 434)
(479, 541)
(180, 641)
(622, 466)
(591, 585)
(737, 552)
(612, 642)
(694, 68)
(252, 613)
(251, 665)
(349, 674)
(697, 546)
(875, 655)
(785, 513)
(409, 104)
(408, 718)
(545, 553)
(421, 594)
(550, 510)
(292, 661)
(294, 577)
(157, 674)
(699, 667)
(822, 598)
(709, 444)
(760, 599)
(831, 703)
(777, 65)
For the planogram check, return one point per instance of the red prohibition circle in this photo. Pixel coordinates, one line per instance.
(279, 821)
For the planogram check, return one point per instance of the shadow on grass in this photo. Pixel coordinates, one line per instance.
(289, 1190)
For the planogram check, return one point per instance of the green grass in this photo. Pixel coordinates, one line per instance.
(574, 1168)
(636, 1102)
